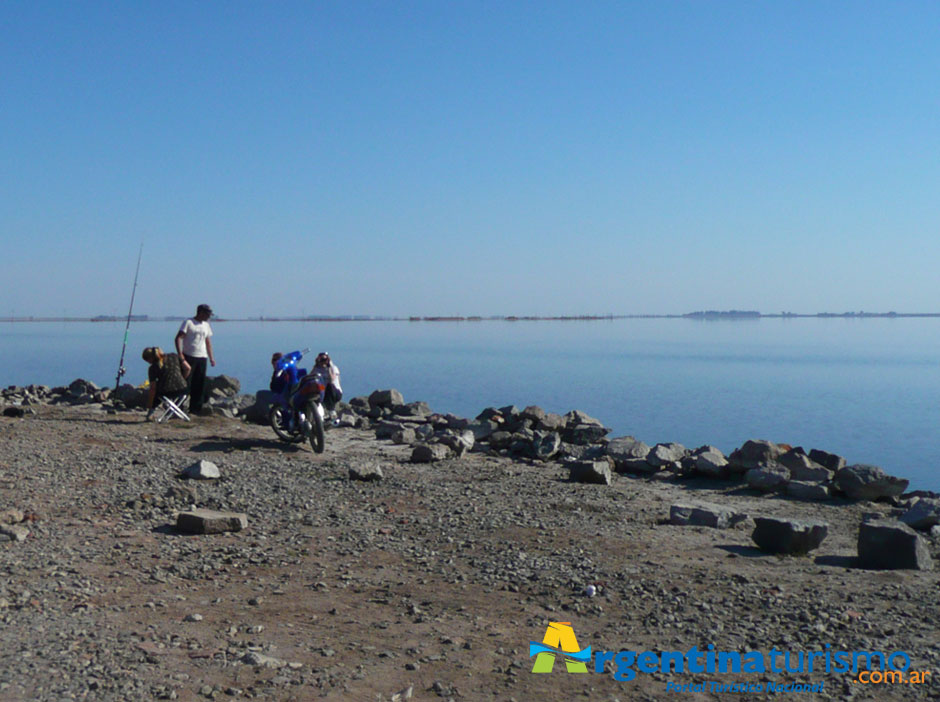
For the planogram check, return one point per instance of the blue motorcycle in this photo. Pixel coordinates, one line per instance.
(296, 410)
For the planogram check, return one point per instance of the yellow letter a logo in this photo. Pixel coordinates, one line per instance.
(560, 637)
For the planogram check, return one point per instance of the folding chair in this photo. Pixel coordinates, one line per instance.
(173, 407)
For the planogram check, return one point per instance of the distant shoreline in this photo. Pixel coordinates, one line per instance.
(732, 315)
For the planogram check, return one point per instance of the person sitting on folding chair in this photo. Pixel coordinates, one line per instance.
(165, 375)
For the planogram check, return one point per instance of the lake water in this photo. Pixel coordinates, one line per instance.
(866, 389)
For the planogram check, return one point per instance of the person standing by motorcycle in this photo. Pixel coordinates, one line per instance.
(326, 373)
(194, 345)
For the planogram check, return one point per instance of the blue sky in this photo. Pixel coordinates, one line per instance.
(469, 157)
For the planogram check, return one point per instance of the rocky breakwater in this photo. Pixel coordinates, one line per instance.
(223, 398)
(580, 443)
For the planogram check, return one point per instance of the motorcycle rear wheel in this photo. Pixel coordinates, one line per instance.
(279, 421)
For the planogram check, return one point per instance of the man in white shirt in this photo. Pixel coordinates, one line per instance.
(194, 345)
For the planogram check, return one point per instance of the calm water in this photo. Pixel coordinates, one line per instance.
(866, 389)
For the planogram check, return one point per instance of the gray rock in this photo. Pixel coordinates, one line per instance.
(755, 453)
(460, 442)
(366, 473)
(533, 413)
(80, 387)
(428, 453)
(577, 417)
(890, 545)
(923, 513)
(386, 429)
(132, 397)
(626, 448)
(829, 460)
(790, 536)
(259, 660)
(412, 409)
(865, 482)
(811, 492)
(546, 445)
(209, 521)
(552, 422)
(201, 470)
(11, 516)
(386, 398)
(360, 405)
(405, 435)
(584, 434)
(483, 428)
(701, 514)
(500, 440)
(802, 467)
(663, 455)
(590, 472)
(226, 385)
(16, 532)
(767, 479)
(711, 463)
(258, 412)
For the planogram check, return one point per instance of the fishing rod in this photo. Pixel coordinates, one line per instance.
(121, 369)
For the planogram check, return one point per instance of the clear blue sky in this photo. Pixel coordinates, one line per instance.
(469, 157)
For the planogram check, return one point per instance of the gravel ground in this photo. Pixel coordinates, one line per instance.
(430, 583)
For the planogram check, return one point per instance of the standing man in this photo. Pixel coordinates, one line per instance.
(194, 345)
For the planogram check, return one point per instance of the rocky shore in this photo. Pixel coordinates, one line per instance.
(419, 555)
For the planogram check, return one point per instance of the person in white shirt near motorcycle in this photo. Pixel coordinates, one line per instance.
(326, 373)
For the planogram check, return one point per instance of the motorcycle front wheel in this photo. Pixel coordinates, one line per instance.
(317, 441)
(280, 423)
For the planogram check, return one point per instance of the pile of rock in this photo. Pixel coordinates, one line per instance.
(223, 398)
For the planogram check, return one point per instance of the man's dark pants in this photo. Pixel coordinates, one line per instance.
(197, 383)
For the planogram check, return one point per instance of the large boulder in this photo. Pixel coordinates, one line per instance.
(665, 455)
(597, 472)
(405, 435)
(225, 385)
(829, 460)
(533, 413)
(412, 409)
(583, 434)
(546, 445)
(386, 398)
(810, 492)
(551, 422)
(132, 397)
(790, 536)
(208, 521)
(369, 473)
(483, 428)
(755, 453)
(923, 513)
(802, 467)
(710, 462)
(769, 478)
(628, 454)
(701, 514)
(889, 545)
(460, 442)
(865, 482)
(258, 412)
(386, 429)
(429, 453)
(201, 470)
(81, 387)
